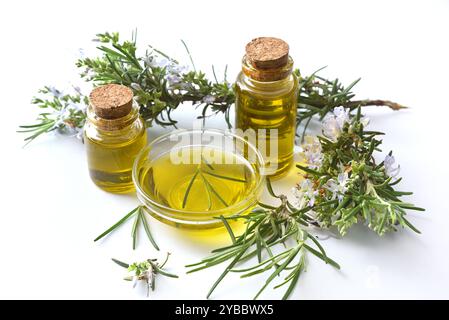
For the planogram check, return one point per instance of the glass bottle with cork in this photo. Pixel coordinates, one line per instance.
(266, 101)
(114, 134)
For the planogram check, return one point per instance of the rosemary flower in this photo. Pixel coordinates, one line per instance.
(338, 187)
(389, 169)
(349, 181)
(209, 99)
(312, 151)
(304, 194)
(334, 122)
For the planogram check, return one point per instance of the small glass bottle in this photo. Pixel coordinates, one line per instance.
(266, 101)
(114, 134)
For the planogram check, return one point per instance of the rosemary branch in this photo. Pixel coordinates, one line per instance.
(341, 164)
(268, 227)
(161, 85)
(139, 219)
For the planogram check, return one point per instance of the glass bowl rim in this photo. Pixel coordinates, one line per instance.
(219, 212)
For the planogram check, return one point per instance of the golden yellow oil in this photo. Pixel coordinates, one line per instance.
(272, 106)
(110, 160)
(206, 181)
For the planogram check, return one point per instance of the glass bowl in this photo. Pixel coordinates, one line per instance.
(168, 173)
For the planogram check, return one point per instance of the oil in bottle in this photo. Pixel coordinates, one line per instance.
(266, 101)
(114, 135)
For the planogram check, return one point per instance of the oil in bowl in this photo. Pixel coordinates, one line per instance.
(192, 185)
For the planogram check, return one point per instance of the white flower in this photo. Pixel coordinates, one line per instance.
(338, 188)
(177, 69)
(55, 92)
(173, 79)
(331, 129)
(304, 194)
(148, 60)
(80, 134)
(81, 53)
(161, 63)
(88, 73)
(209, 99)
(134, 281)
(77, 90)
(152, 61)
(341, 115)
(312, 152)
(389, 169)
(334, 122)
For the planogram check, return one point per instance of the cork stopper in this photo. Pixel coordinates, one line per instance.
(267, 53)
(111, 101)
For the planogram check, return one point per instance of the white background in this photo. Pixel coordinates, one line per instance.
(51, 212)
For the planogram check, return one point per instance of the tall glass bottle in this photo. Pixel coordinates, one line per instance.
(114, 134)
(266, 101)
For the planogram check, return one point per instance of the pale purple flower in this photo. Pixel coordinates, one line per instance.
(341, 115)
(305, 194)
(55, 92)
(209, 99)
(148, 60)
(339, 187)
(81, 53)
(77, 90)
(173, 79)
(175, 68)
(334, 122)
(390, 170)
(161, 63)
(312, 152)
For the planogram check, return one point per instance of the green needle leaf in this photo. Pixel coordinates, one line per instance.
(184, 202)
(121, 264)
(270, 188)
(228, 228)
(224, 177)
(116, 225)
(147, 228)
(134, 229)
(211, 188)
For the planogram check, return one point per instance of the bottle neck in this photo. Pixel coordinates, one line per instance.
(267, 75)
(113, 125)
(285, 82)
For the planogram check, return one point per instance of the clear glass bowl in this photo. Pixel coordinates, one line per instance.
(174, 144)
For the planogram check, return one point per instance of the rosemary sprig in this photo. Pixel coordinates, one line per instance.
(343, 184)
(139, 219)
(210, 190)
(266, 228)
(161, 85)
(146, 271)
(62, 112)
(319, 96)
(341, 165)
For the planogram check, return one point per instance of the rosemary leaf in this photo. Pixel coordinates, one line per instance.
(184, 201)
(120, 263)
(116, 225)
(147, 228)
(134, 229)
